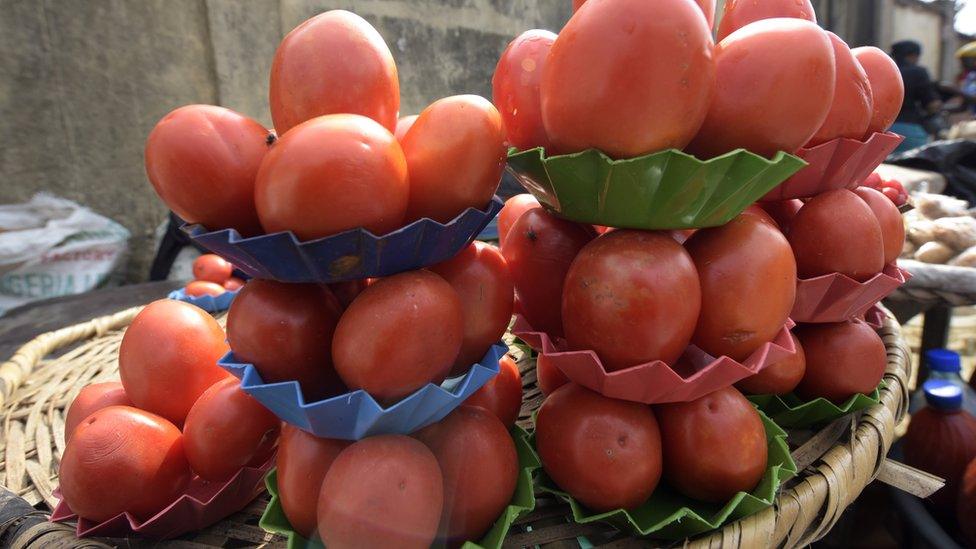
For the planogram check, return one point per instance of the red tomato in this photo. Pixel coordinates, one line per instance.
(333, 63)
(233, 284)
(502, 395)
(739, 13)
(748, 284)
(577, 4)
(199, 288)
(122, 459)
(782, 212)
(202, 161)
(515, 88)
(481, 279)
(853, 104)
(383, 491)
(95, 396)
(837, 232)
(403, 126)
(874, 181)
(347, 291)
(227, 429)
(656, 101)
(303, 460)
(513, 209)
(842, 359)
(343, 164)
(480, 469)
(604, 452)
(633, 297)
(549, 377)
(455, 155)
(714, 447)
(401, 333)
(776, 87)
(887, 87)
(889, 219)
(539, 250)
(707, 7)
(212, 268)
(778, 378)
(168, 357)
(286, 330)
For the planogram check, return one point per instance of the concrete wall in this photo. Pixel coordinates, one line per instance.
(925, 27)
(83, 81)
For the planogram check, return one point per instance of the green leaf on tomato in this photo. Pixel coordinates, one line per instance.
(672, 516)
(791, 411)
(663, 190)
(523, 502)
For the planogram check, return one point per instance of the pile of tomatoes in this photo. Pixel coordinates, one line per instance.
(213, 276)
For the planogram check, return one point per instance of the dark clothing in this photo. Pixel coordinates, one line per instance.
(919, 92)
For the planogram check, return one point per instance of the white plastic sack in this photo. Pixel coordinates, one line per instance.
(51, 247)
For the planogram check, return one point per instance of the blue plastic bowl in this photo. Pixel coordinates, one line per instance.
(209, 303)
(356, 415)
(352, 255)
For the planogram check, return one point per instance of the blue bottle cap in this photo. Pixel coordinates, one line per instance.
(943, 360)
(942, 394)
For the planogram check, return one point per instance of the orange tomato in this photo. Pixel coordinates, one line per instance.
(512, 210)
(502, 395)
(202, 161)
(889, 219)
(776, 85)
(853, 104)
(403, 126)
(343, 164)
(94, 397)
(303, 460)
(233, 284)
(707, 7)
(455, 154)
(168, 357)
(778, 378)
(212, 268)
(227, 429)
(887, 87)
(199, 288)
(515, 88)
(333, 63)
(655, 101)
(122, 459)
(739, 13)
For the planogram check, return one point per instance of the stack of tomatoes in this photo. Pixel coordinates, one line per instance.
(633, 77)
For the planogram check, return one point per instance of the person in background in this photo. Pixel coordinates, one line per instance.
(921, 99)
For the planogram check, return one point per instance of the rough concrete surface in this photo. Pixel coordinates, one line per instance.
(83, 81)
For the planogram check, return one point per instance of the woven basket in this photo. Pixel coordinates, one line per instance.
(937, 285)
(42, 378)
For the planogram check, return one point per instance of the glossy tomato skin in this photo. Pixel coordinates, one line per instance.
(778, 378)
(94, 397)
(480, 469)
(502, 395)
(515, 88)
(782, 212)
(333, 63)
(212, 268)
(748, 284)
(122, 459)
(233, 284)
(479, 275)
(776, 85)
(707, 7)
(632, 297)
(549, 377)
(889, 220)
(604, 452)
(199, 288)
(403, 126)
(455, 155)
(383, 491)
(714, 447)
(887, 87)
(286, 331)
(739, 13)
(853, 105)
(539, 250)
(227, 429)
(303, 460)
(656, 101)
(401, 333)
(343, 164)
(821, 237)
(168, 357)
(202, 160)
(512, 210)
(842, 359)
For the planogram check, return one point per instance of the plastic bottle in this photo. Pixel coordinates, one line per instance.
(941, 439)
(945, 365)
